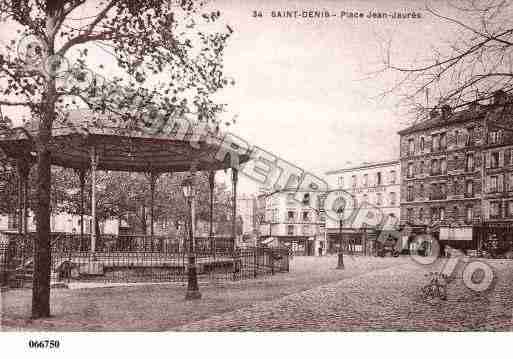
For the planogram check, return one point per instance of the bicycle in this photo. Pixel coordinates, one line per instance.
(437, 286)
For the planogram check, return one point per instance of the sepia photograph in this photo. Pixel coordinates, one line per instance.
(319, 167)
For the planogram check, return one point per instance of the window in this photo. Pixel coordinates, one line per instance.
(435, 167)
(421, 190)
(409, 173)
(443, 141)
(435, 214)
(455, 213)
(455, 186)
(306, 230)
(411, 146)
(379, 199)
(11, 221)
(457, 137)
(378, 179)
(443, 191)
(509, 208)
(494, 159)
(435, 143)
(321, 199)
(392, 176)
(469, 162)
(353, 181)
(365, 180)
(290, 216)
(469, 188)
(365, 198)
(306, 199)
(409, 215)
(392, 198)
(493, 184)
(469, 214)
(306, 216)
(409, 194)
(421, 214)
(290, 230)
(422, 144)
(442, 213)
(494, 137)
(470, 136)
(290, 198)
(341, 181)
(443, 166)
(421, 167)
(495, 209)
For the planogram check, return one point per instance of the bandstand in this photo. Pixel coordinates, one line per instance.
(90, 142)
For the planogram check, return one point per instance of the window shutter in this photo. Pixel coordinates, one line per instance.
(487, 158)
(501, 159)
(500, 183)
(487, 184)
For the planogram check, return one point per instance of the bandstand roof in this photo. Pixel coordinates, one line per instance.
(119, 147)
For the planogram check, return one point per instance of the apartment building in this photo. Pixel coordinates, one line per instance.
(373, 186)
(291, 218)
(456, 173)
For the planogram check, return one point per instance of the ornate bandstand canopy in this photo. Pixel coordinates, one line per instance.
(121, 146)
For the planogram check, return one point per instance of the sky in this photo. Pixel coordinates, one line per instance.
(306, 89)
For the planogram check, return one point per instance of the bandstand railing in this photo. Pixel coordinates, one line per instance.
(138, 258)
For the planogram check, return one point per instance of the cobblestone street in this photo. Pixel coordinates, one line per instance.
(370, 294)
(385, 299)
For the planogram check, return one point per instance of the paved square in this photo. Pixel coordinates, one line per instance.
(370, 294)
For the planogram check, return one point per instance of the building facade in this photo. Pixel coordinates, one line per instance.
(374, 187)
(247, 211)
(291, 219)
(456, 173)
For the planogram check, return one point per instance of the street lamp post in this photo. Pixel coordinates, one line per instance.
(192, 275)
(340, 264)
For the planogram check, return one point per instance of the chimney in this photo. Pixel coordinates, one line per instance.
(433, 113)
(499, 97)
(473, 106)
(446, 111)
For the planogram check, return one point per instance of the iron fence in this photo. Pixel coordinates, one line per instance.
(138, 259)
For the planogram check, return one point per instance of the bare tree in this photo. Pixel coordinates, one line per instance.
(164, 57)
(470, 67)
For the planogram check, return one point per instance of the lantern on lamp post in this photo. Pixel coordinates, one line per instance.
(192, 275)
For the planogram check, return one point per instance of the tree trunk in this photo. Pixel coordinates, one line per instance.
(42, 253)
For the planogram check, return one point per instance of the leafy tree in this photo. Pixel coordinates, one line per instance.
(166, 60)
(470, 67)
(127, 196)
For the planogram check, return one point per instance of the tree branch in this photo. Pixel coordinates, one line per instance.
(86, 36)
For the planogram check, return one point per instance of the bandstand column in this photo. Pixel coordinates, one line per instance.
(153, 180)
(192, 276)
(235, 178)
(94, 166)
(19, 199)
(211, 182)
(81, 177)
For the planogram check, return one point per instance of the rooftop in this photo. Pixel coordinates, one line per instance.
(365, 165)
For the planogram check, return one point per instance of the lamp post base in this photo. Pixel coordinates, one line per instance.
(340, 264)
(192, 294)
(192, 281)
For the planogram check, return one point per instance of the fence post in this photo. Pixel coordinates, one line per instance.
(271, 258)
(236, 268)
(255, 262)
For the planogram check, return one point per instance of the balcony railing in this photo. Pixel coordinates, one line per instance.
(437, 196)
